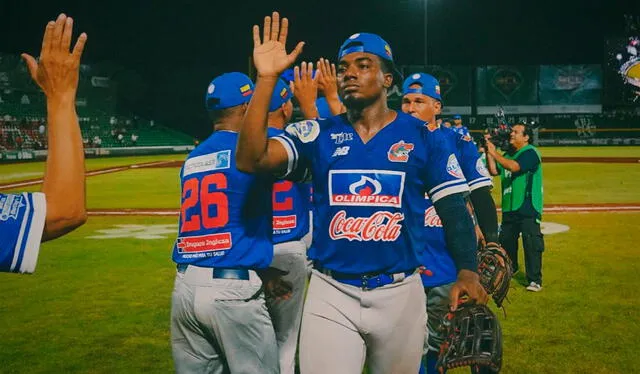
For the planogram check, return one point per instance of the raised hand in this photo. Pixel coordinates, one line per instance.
(305, 89)
(57, 72)
(270, 54)
(328, 81)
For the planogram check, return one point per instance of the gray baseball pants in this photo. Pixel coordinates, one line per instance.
(287, 314)
(343, 326)
(221, 326)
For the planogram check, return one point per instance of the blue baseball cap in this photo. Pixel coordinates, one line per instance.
(457, 116)
(366, 42)
(228, 90)
(429, 85)
(281, 94)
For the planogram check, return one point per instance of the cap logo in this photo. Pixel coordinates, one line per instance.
(211, 88)
(387, 49)
(246, 90)
(437, 88)
(283, 93)
(354, 36)
(415, 76)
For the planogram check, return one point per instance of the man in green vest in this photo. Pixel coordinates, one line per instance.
(520, 170)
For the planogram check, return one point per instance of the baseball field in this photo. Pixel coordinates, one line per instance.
(99, 301)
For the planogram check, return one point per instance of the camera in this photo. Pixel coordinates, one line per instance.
(500, 132)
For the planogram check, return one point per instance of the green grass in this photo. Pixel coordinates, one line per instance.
(583, 183)
(564, 183)
(29, 170)
(93, 306)
(141, 188)
(630, 151)
(102, 306)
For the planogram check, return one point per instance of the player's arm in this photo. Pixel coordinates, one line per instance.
(491, 161)
(486, 213)
(328, 85)
(254, 152)
(480, 201)
(305, 89)
(446, 188)
(57, 74)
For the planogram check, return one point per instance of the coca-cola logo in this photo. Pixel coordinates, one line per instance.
(431, 218)
(380, 226)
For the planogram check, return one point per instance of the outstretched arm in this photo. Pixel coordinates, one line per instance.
(57, 74)
(254, 152)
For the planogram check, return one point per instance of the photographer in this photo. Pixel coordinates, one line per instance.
(520, 170)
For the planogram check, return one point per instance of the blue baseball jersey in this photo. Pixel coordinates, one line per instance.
(22, 218)
(291, 205)
(225, 214)
(439, 267)
(368, 197)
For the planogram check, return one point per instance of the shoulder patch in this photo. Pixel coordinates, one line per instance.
(482, 168)
(306, 131)
(453, 167)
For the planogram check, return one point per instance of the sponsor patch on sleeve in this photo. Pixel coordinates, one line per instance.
(306, 131)
(453, 167)
(482, 168)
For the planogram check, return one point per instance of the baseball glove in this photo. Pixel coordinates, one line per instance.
(473, 338)
(496, 270)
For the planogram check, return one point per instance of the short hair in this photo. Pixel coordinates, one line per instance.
(389, 67)
(217, 115)
(528, 131)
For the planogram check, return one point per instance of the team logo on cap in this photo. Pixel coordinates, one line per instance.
(399, 152)
(387, 50)
(354, 36)
(211, 88)
(437, 88)
(415, 76)
(246, 90)
(283, 93)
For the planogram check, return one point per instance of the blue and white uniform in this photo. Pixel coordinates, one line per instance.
(22, 218)
(219, 318)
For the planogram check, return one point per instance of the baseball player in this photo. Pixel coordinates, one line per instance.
(457, 125)
(422, 100)
(369, 166)
(26, 219)
(291, 207)
(219, 318)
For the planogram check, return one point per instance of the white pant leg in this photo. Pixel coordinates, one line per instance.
(329, 340)
(287, 314)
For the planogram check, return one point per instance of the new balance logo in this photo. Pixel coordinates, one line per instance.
(341, 151)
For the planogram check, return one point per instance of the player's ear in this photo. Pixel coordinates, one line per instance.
(437, 105)
(388, 80)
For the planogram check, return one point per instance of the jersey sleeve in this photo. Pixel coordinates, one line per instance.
(443, 175)
(473, 168)
(22, 218)
(528, 161)
(297, 140)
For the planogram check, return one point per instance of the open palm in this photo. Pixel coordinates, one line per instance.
(270, 55)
